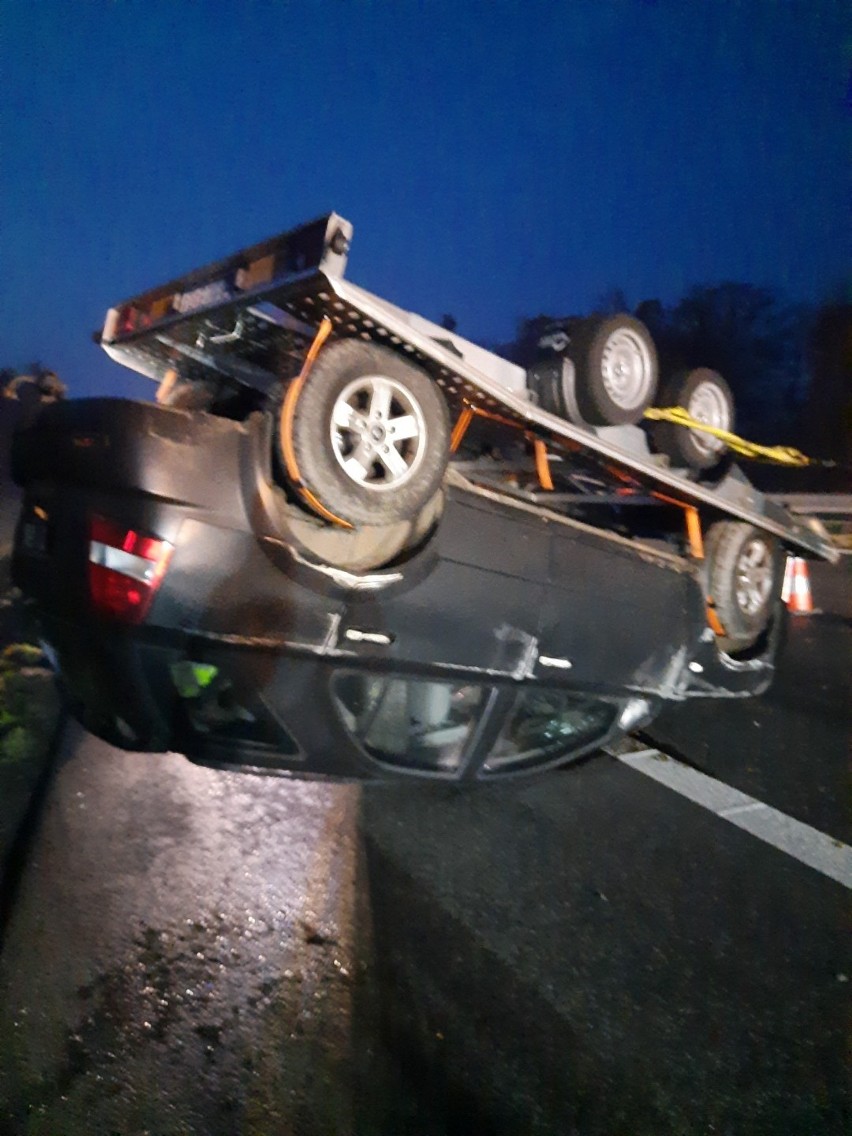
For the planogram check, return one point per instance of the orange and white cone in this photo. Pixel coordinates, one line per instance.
(787, 586)
(799, 600)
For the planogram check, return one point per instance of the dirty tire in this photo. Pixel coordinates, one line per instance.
(370, 434)
(707, 397)
(616, 369)
(186, 395)
(367, 547)
(745, 569)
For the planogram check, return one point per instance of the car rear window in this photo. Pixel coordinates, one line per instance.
(409, 722)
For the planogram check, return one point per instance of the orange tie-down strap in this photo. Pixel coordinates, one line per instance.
(470, 411)
(713, 621)
(288, 413)
(542, 468)
(696, 547)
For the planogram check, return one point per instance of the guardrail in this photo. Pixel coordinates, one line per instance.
(834, 510)
(815, 504)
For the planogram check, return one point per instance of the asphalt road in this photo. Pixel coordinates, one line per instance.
(193, 951)
(791, 747)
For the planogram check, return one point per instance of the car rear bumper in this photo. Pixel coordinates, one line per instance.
(117, 686)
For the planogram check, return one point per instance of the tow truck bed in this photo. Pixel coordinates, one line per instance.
(248, 320)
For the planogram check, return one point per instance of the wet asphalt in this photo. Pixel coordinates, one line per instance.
(193, 951)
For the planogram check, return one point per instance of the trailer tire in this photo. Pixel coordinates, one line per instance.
(615, 361)
(744, 572)
(367, 440)
(707, 397)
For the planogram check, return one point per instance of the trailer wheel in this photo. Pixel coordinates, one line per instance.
(616, 369)
(745, 568)
(369, 435)
(706, 396)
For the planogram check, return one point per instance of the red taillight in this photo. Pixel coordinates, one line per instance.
(125, 569)
(127, 320)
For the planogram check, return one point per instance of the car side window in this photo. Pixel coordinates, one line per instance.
(407, 722)
(547, 724)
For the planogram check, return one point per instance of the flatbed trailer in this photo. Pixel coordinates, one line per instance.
(245, 325)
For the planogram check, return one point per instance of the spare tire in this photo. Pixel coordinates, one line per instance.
(705, 396)
(744, 574)
(615, 361)
(368, 437)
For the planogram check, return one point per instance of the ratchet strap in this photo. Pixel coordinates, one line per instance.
(782, 455)
(471, 411)
(288, 413)
(697, 548)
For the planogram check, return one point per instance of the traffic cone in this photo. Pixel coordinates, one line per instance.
(800, 601)
(787, 586)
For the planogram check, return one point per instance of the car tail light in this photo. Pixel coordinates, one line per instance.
(126, 568)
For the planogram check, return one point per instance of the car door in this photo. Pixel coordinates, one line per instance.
(616, 614)
(472, 600)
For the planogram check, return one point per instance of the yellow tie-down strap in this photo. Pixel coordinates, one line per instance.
(783, 455)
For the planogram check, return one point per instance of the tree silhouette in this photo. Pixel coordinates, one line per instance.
(523, 348)
(747, 334)
(829, 406)
(36, 383)
(611, 302)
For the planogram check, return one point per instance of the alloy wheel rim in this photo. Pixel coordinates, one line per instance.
(754, 577)
(626, 368)
(378, 432)
(708, 404)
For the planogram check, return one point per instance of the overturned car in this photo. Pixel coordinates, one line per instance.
(345, 542)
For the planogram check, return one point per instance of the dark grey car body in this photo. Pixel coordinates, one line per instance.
(524, 634)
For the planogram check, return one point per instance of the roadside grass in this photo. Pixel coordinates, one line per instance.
(29, 712)
(29, 705)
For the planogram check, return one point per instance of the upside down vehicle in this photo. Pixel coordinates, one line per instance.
(343, 541)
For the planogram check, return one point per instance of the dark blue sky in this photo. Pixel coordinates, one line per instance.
(496, 159)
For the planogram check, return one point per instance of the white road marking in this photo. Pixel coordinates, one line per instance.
(831, 857)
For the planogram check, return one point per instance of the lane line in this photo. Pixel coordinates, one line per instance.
(735, 809)
(808, 845)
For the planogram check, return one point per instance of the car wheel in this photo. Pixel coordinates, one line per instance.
(368, 435)
(616, 370)
(706, 396)
(744, 572)
(367, 547)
